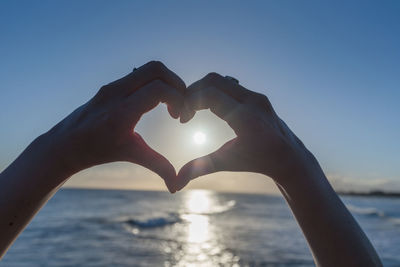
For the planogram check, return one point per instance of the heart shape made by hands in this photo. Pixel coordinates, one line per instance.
(175, 140)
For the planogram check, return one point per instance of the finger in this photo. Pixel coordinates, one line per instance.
(211, 163)
(193, 169)
(174, 113)
(261, 101)
(187, 113)
(147, 157)
(153, 70)
(222, 105)
(229, 87)
(150, 95)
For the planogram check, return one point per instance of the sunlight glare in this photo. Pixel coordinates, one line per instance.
(198, 231)
(203, 246)
(198, 202)
(199, 138)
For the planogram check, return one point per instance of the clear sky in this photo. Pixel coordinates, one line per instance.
(331, 70)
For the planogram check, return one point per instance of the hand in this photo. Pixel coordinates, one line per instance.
(102, 130)
(264, 144)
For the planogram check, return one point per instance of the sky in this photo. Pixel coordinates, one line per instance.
(330, 68)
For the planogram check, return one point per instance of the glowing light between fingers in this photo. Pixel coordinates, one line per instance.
(199, 138)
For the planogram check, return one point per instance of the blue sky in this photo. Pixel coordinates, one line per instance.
(331, 70)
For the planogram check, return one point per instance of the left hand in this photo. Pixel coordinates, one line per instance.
(102, 130)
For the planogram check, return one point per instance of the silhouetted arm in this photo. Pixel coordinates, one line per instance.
(264, 144)
(100, 131)
(334, 236)
(26, 185)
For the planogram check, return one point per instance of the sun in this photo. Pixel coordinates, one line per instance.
(199, 138)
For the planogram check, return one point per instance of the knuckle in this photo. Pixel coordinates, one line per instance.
(157, 67)
(104, 93)
(212, 76)
(104, 89)
(262, 100)
(153, 63)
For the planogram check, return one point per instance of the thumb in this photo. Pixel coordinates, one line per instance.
(222, 159)
(147, 157)
(214, 162)
(195, 168)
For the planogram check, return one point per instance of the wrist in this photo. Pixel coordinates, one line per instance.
(37, 169)
(53, 155)
(300, 167)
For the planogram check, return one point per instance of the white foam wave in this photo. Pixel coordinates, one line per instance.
(369, 211)
(151, 221)
(222, 208)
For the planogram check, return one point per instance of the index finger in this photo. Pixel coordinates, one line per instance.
(146, 74)
(221, 104)
(229, 87)
(153, 70)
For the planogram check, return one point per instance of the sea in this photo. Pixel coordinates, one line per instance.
(191, 228)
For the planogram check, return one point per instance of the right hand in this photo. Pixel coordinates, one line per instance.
(264, 143)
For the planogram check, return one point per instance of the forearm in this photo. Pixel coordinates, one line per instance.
(25, 186)
(335, 238)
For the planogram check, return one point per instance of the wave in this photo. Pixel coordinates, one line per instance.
(152, 222)
(137, 223)
(222, 208)
(215, 209)
(395, 221)
(161, 220)
(369, 211)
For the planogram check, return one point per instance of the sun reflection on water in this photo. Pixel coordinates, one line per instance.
(197, 231)
(199, 201)
(202, 245)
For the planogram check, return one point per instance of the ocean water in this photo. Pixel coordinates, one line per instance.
(192, 228)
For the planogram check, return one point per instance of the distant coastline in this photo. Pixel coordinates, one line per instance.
(374, 193)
